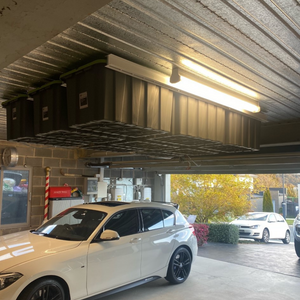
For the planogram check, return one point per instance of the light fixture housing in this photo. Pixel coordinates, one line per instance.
(188, 83)
(175, 77)
(212, 91)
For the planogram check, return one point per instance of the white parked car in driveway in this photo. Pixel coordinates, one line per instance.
(263, 226)
(97, 249)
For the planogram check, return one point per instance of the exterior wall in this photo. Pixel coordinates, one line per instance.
(257, 200)
(275, 198)
(256, 203)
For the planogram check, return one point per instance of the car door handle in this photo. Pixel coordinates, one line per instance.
(171, 231)
(135, 240)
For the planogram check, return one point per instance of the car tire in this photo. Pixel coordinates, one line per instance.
(265, 236)
(287, 238)
(297, 247)
(179, 266)
(45, 289)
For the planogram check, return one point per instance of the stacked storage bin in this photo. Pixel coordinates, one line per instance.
(19, 115)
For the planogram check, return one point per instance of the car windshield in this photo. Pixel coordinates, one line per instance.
(254, 217)
(75, 224)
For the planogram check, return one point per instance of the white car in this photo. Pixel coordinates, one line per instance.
(296, 231)
(263, 226)
(97, 249)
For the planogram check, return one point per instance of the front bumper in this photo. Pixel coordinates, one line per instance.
(250, 234)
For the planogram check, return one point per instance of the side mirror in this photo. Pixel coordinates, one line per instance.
(109, 235)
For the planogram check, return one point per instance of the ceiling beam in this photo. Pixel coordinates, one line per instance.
(280, 134)
(254, 163)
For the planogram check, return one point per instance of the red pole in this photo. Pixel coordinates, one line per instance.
(47, 169)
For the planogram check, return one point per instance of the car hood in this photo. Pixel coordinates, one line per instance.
(247, 222)
(17, 248)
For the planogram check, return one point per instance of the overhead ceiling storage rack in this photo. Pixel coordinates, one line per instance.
(94, 107)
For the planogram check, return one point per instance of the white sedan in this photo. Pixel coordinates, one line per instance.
(97, 249)
(263, 226)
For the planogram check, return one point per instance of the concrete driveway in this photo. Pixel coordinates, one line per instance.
(274, 256)
(229, 272)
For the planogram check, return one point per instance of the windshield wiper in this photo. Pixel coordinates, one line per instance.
(44, 234)
(36, 232)
(54, 236)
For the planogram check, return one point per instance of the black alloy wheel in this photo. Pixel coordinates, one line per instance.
(44, 289)
(179, 266)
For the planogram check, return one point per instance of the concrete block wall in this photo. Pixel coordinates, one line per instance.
(38, 158)
(60, 160)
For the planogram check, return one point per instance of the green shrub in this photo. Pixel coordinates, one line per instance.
(223, 233)
(267, 202)
(201, 232)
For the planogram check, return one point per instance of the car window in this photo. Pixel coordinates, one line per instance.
(272, 218)
(180, 220)
(125, 222)
(279, 218)
(254, 217)
(168, 218)
(152, 219)
(72, 224)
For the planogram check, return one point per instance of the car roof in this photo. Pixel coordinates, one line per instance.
(113, 206)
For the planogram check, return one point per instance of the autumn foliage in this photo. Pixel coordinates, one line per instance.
(263, 182)
(211, 196)
(201, 232)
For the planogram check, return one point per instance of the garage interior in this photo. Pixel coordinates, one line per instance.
(112, 57)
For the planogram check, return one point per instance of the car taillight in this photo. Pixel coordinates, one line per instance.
(192, 229)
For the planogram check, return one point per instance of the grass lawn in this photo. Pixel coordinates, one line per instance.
(290, 221)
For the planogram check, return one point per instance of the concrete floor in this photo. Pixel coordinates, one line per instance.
(213, 280)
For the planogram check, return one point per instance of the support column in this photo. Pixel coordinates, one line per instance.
(167, 188)
(162, 187)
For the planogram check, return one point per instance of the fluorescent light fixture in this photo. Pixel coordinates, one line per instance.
(228, 98)
(206, 73)
(219, 92)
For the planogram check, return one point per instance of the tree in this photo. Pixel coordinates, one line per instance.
(211, 196)
(262, 182)
(267, 201)
(291, 192)
(293, 179)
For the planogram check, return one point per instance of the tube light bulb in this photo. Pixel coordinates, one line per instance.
(203, 91)
(219, 79)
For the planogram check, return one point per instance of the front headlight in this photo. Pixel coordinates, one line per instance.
(254, 226)
(6, 279)
(296, 220)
